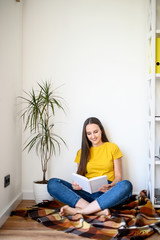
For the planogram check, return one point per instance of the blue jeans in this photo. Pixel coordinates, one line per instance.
(63, 192)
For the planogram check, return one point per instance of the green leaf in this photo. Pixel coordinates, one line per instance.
(38, 115)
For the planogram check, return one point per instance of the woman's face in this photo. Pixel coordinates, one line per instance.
(94, 134)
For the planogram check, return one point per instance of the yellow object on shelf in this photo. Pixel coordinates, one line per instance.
(157, 55)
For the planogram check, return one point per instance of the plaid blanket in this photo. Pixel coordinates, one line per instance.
(135, 219)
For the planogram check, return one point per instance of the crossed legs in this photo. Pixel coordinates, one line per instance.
(85, 203)
(84, 208)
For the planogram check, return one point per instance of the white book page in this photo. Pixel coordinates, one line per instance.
(90, 185)
(97, 182)
(82, 182)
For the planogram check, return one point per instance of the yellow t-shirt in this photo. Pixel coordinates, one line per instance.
(101, 160)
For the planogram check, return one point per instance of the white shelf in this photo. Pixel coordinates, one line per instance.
(157, 162)
(157, 119)
(157, 205)
(157, 75)
(158, 33)
(153, 96)
(151, 32)
(150, 76)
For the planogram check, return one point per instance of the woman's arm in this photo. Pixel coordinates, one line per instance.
(75, 186)
(117, 173)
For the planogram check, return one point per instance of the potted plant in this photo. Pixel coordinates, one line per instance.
(38, 115)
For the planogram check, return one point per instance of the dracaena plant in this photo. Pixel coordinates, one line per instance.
(38, 115)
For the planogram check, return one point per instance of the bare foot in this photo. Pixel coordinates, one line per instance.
(105, 212)
(68, 211)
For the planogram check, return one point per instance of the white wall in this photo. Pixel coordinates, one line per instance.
(10, 79)
(96, 48)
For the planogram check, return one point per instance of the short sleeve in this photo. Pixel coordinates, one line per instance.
(116, 152)
(78, 156)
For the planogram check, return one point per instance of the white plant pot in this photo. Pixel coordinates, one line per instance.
(40, 192)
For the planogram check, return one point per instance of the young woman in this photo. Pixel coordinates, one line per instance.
(96, 157)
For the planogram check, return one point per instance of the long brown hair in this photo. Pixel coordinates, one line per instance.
(86, 144)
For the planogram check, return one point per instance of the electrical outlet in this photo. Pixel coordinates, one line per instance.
(6, 180)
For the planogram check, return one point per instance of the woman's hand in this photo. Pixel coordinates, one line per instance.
(117, 173)
(75, 186)
(105, 188)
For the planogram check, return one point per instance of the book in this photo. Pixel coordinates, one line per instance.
(89, 185)
(157, 55)
(157, 118)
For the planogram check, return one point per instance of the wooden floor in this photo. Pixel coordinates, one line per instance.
(20, 228)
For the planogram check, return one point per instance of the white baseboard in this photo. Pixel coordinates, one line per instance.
(28, 195)
(7, 211)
